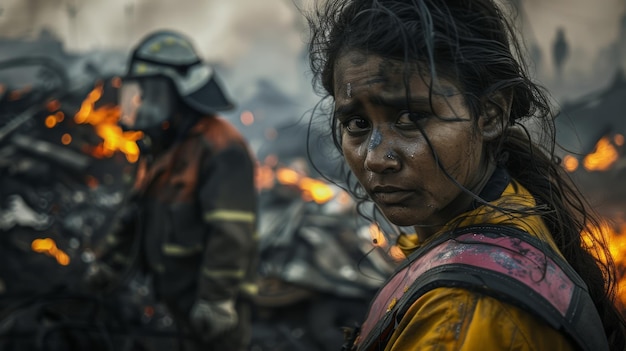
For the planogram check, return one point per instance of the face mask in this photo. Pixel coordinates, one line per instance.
(146, 104)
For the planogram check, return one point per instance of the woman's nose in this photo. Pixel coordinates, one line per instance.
(382, 160)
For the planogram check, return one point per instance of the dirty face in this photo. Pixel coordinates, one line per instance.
(391, 141)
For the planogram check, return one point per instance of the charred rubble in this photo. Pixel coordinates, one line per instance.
(60, 195)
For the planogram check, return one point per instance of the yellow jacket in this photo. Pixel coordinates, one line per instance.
(457, 319)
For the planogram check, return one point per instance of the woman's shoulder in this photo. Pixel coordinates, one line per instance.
(461, 319)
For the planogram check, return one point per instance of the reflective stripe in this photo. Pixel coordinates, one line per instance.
(223, 274)
(225, 215)
(250, 289)
(177, 250)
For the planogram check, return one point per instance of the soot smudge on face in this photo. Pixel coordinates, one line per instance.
(375, 140)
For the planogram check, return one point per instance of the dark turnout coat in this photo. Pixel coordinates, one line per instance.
(194, 229)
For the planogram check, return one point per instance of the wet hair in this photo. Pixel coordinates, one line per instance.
(473, 42)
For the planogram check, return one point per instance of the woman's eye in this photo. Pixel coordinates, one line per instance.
(409, 119)
(356, 125)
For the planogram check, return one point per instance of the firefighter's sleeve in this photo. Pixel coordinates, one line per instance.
(229, 204)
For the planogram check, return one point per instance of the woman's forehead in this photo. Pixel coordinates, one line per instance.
(356, 69)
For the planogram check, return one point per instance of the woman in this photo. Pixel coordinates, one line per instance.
(431, 106)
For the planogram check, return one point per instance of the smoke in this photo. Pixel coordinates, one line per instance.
(259, 36)
(594, 35)
(252, 41)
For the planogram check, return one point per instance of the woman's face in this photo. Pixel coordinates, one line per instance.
(385, 137)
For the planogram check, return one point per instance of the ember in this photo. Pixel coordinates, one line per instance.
(49, 247)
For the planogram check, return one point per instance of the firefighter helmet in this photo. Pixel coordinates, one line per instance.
(172, 55)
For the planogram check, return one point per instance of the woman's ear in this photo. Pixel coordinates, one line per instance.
(495, 116)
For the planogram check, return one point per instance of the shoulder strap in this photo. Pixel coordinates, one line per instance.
(502, 262)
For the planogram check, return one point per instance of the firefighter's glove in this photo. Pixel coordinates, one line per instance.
(99, 276)
(212, 318)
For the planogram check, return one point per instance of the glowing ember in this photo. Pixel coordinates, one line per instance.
(570, 163)
(53, 105)
(66, 139)
(264, 177)
(104, 119)
(603, 157)
(247, 118)
(48, 246)
(50, 121)
(396, 254)
(378, 238)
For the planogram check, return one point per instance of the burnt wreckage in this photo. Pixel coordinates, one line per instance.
(61, 192)
(59, 196)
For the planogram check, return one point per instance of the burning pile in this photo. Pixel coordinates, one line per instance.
(602, 164)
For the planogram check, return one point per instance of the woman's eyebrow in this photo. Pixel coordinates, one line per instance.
(345, 109)
(400, 100)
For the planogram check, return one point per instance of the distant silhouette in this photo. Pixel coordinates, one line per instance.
(560, 52)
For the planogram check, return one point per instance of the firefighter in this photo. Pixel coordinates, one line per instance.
(191, 220)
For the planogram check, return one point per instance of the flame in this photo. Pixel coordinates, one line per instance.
(48, 246)
(288, 176)
(603, 156)
(312, 189)
(104, 119)
(316, 190)
(617, 246)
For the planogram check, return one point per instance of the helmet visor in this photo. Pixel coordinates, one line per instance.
(146, 103)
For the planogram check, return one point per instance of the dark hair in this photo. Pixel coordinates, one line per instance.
(473, 42)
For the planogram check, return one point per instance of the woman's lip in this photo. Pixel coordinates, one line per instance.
(391, 197)
(386, 189)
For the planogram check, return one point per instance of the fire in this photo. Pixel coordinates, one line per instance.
(312, 189)
(617, 246)
(48, 246)
(316, 190)
(319, 191)
(104, 119)
(603, 157)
